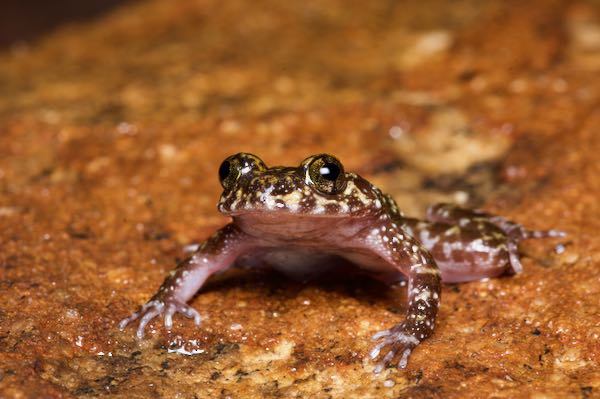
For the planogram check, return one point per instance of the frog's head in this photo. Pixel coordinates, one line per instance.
(317, 187)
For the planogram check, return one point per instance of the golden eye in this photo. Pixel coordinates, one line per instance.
(238, 165)
(326, 173)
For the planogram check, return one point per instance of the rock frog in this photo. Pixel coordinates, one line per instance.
(303, 219)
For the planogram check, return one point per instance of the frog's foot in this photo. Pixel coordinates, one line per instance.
(518, 232)
(399, 341)
(156, 307)
(515, 233)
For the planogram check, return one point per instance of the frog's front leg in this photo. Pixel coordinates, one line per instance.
(407, 256)
(215, 254)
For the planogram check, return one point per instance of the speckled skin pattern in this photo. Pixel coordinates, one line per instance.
(301, 220)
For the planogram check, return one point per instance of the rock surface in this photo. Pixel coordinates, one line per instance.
(111, 133)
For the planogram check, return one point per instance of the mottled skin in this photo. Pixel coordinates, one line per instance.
(301, 220)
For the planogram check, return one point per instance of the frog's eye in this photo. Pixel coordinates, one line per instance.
(326, 173)
(238, 165)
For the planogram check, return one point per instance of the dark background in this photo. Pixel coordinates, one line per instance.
(22, 21)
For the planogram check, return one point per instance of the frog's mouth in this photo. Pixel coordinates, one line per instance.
(282, 212)
(294, 227)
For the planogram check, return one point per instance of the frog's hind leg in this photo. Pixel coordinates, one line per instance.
(476, 219)
(453, 214)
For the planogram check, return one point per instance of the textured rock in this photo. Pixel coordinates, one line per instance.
(111, 133)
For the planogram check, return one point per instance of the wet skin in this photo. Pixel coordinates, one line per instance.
(302, 219)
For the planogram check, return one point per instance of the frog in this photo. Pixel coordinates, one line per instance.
(302, 220)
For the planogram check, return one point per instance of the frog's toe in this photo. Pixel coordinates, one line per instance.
(545, 233)
(123, 323)
(380, 334)
(184, 309)
(146, 313)
(169, 316)
(135, 315)
(514, 257)
(384, 362)
(148, 316)
(404, 359)
(517, 232)
(192, 313)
